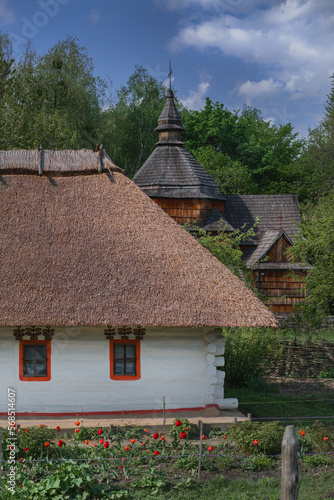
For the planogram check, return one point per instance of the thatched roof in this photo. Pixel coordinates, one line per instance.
(95, 250)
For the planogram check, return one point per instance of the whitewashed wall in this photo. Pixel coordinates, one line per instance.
(175, 362)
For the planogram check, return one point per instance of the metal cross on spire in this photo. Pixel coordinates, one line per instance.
(170, 75)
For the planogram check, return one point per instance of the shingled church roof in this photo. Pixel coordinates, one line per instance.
(171, 171)
(275, 212)
(79, 247)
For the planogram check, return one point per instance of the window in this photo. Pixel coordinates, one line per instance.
(125, 359)
(35, 360)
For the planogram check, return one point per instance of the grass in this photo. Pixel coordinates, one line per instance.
(312, 487)
(266, 402)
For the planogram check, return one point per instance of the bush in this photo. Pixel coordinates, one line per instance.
(311, 461)
(248, 353)
(269, 437)
(258, 462)
(318, 431)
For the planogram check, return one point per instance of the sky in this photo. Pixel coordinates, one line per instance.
(274, 55)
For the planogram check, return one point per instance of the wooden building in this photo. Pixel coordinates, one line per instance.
(107, 304)
(175, 180)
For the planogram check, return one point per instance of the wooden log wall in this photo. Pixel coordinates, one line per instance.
(282, 290)
(188, 210)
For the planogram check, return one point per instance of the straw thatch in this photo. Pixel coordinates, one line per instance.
(67, 162)
(95, 250)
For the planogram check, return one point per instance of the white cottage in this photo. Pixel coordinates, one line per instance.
(106, 303)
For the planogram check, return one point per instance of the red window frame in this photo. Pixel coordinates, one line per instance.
(136, 342)
(48, 360)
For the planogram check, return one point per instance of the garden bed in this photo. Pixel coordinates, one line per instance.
(137, 463)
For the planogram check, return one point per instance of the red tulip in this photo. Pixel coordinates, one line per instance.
(210, 448)
(156, 452)
(100, 432)
(187, 428)
(60, 443)
(155, 435)
(178, 423)
(133, 441)
(183, 435)
(145, 430)
(57, 428)
(46, 444)
(162, 438)
(20, 459)
(224, 437)
(87, 441)
(76, 430)
(77, 423)
(106, 444)
(101, 441)
(26, 449)
(302, 433)
(127, 448)
(204, 436)
(325, 438)
(255, 442)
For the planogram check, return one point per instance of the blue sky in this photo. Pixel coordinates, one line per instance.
(275, 55)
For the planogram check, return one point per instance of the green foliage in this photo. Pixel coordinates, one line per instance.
(326, 374)
(316, 163)
(269, 436)
(311, 461)
(226, 248)
(317, 432)
(248, 353)
(52, 99)
(315, 246)
(70, 481)
(128, 125)
(32, 438)
(152, 481)
(241, 151)
(257, 462)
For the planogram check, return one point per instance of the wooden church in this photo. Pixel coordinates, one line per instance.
(177, 182)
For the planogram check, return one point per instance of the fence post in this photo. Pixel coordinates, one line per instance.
(290, 483)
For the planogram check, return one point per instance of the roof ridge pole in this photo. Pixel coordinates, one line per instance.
(100, 165)
(41, 160)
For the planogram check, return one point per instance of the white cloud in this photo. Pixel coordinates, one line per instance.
(94, 16)
(253, 90)
(7, 15)
(291, 42)
(196, 98)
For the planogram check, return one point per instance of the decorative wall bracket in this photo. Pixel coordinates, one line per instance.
(125, 332)
(33, 332)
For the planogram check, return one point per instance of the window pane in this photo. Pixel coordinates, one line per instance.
(28, 369)
(119, 351)
(40, 352)
(41, 369)
(130, 351)
(28, 352)
(118, 368)
(130, 368)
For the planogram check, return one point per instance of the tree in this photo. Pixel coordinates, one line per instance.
(6, 61)
(316, 164)
(226, 248)
(128, 126)
(259, 156)
(52, 99)
(315, 246)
